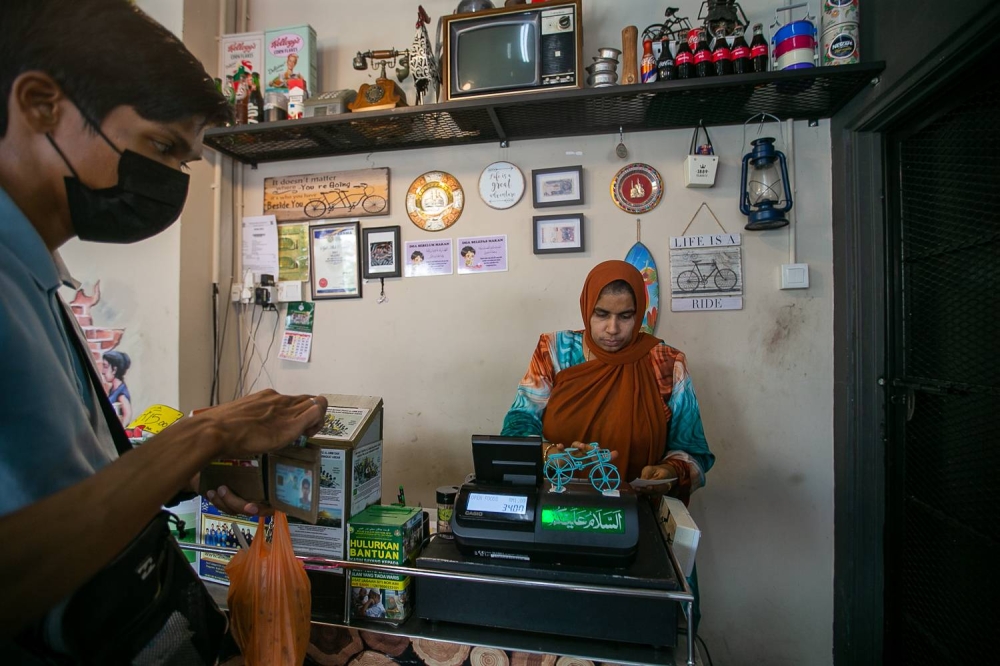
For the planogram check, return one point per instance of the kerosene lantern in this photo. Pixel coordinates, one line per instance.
(765, 197)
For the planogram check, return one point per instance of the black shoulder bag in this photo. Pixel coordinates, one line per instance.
(147, 606)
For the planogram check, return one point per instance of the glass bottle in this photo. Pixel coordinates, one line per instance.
(721, 55)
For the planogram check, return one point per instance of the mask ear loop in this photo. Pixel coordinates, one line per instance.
(48, 135)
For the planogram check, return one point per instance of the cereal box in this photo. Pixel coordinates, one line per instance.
(383, 535)
(290, 53)
(241, 49)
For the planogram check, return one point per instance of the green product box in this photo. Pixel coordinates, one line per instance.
(383, 535)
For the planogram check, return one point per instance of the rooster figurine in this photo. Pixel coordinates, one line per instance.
(423, 64)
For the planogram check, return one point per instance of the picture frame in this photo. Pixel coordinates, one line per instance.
(334, 260)
(558, 186)
(383, 256)
(554, 234)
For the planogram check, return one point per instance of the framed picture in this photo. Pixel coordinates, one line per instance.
(558, 233)
(561, 186)
(383, 257)
(334, 266)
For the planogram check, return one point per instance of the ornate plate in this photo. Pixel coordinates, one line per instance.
(435, 201)
(501, 185)
(637, 188)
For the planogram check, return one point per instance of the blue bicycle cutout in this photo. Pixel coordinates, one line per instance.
(560, 468)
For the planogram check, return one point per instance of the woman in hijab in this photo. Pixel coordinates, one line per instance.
(614, 385)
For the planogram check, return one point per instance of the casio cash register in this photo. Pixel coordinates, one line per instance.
(510, 511)
(508, 523)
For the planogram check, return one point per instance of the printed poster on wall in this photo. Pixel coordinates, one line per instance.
(326, 537)
(482, 254)
(706, 273)
(327, 196)
(293, 252)
(425, 258)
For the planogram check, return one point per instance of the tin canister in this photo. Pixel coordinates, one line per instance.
(446, 496)
(840, 45)
(839, 11)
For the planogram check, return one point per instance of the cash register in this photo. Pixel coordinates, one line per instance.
(510, 511)
(508, 522)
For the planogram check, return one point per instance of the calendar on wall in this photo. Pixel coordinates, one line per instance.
(296, 341)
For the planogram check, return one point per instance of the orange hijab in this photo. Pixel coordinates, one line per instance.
(613, 399)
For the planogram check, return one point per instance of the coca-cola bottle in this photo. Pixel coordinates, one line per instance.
(255, 101)
(684, 61)
(665, 65)
(647, 66)
(740, 54)
(703, 64)
(758, 48)
(721, 54)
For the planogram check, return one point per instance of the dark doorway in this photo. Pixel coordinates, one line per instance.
(942, 533)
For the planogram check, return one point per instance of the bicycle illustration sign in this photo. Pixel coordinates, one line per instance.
(708, 270)
(331, 195)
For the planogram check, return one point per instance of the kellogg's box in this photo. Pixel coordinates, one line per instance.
(237, 49)
(290, 53)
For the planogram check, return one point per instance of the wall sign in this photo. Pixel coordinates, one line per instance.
(330, 195)
(501, 185)
(706, 272)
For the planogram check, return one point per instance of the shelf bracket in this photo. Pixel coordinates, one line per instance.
(504, 141)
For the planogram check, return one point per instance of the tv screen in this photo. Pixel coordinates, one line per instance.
(496, 56)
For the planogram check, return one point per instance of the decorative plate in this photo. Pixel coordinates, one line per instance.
(501, 185)
(435, 201)
(637, 188)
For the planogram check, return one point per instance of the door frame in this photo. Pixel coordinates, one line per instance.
(861, 337)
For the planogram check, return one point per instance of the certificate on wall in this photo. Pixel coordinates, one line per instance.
(335, 271)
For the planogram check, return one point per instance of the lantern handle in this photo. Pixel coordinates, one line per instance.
(763, 118)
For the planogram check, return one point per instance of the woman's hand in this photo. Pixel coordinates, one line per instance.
(664, 472)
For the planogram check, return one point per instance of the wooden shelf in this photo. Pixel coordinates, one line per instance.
(805, 94)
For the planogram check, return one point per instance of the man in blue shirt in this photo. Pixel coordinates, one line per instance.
(101, 108)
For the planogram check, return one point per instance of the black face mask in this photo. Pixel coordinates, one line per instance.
(148, 198)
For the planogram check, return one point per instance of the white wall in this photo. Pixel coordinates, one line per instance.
(446, 353)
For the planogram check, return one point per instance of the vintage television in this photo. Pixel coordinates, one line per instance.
(512, 50)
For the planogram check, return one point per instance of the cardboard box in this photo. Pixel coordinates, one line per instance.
(680, 531)
(290, 52)
(383, 535)
(337, 473)
(237, 48)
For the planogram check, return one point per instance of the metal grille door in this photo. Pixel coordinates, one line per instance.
(943, 429)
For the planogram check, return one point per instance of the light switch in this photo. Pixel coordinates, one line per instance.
(795, 276)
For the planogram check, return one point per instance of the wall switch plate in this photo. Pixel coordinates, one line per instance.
(289, 290)
(795, 276)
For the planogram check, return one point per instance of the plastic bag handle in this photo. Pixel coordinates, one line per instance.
(694, 139)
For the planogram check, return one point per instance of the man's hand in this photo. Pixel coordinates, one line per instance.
(265, 421)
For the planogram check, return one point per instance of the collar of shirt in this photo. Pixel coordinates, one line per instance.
(24, 241)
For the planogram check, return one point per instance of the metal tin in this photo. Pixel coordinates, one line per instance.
(445, 506)
(839, 11)
(840, 45)
(275, 107)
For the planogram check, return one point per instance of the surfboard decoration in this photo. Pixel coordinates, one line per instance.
(640, 257)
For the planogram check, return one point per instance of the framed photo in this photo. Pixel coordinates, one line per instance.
(334, 266)
(383, 257)
(558, 233)
(561, 186)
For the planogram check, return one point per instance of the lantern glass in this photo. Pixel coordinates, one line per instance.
(764, 184)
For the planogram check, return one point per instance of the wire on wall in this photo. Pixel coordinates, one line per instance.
(263, 364)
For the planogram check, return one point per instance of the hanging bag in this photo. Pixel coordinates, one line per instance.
(147, 606)
(702, 163)
(269, 599)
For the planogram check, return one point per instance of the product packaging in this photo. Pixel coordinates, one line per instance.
(241, 50)
(383, 535)
(290, 53)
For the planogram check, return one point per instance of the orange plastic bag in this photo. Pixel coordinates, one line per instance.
(269, 599)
